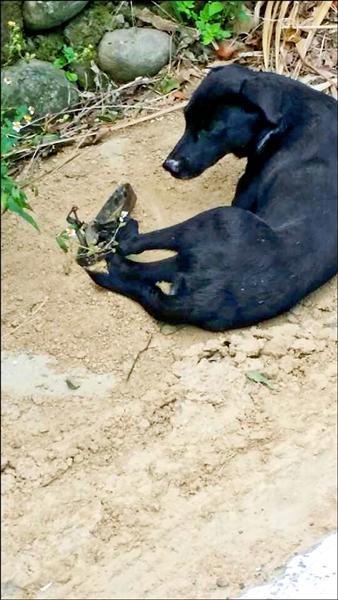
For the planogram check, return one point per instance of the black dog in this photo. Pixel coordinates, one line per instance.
(242, 264)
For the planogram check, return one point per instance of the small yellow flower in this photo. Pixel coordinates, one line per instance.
(16, 126)
(11, 23)
(27, 118)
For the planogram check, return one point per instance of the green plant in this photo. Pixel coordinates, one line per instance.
(66, 236)
(214, 21)
(167, 84)
(12, 197)
(68, 56)
(16, 45)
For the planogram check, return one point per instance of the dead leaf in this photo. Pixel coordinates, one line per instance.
(184, 75)
(226, 51)
(292, 35)
(254, 41)
(72, 385)
(147, 16)
(258, 377)
(179, 95)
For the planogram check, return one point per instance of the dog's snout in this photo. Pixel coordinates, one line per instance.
(172, 165)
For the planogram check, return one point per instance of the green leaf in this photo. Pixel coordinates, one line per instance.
(69, 53)
(20, 112)
(168, 84)
(71, 76)
(62, 240)
(211, 9)
(60, 62)
(49, 137)
(258, 377)
(14, 207)
(186, 8)
(3, 169)
(4, 201)
(8, 140)
(108, 117)
(210, 32)
(27, 217)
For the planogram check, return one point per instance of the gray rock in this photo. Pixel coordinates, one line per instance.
(128, 53)
(89, 27)
(38, 84)
(45, 14)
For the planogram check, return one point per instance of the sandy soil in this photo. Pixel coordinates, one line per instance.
(182, 478)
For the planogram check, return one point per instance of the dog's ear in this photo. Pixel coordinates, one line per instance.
(266, 94)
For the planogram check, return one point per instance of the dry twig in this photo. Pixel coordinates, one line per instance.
(32, 318)
(138, 356)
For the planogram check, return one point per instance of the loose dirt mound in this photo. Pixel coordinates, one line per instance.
(169, 472)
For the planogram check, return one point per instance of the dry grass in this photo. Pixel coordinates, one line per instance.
(291, 32)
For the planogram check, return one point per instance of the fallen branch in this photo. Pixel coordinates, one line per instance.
(137, 357)
(104, 130)
(164, 111)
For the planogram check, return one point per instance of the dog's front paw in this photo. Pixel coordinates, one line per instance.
(126, 236)
(117, 265)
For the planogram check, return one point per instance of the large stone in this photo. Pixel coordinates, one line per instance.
(46, 14)
(128, 53)
(38, 84)
(91, 24)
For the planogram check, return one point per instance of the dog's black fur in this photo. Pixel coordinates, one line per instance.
(238, 265)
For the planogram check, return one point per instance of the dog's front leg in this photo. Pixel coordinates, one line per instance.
(161, 239)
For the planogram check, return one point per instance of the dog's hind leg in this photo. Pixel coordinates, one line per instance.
(161, 306)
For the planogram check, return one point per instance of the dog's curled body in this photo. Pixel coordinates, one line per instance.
(241, 264)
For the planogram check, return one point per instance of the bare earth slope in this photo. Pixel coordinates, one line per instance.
(175, 476)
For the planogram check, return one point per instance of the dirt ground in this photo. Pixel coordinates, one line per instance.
(167, 473)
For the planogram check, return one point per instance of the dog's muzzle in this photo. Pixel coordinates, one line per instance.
(172, 165)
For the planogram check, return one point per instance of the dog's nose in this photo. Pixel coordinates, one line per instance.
(172, 165)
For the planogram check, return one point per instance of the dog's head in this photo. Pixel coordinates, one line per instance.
(228, 113)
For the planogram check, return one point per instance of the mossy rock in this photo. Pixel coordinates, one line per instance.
(38, 84)
(11, 10)
(47, 46)
(89, 27)
(39, 16)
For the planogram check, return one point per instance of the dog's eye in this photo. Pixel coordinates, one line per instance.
(209, 128)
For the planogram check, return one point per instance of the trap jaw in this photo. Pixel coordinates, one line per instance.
(98, 237)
